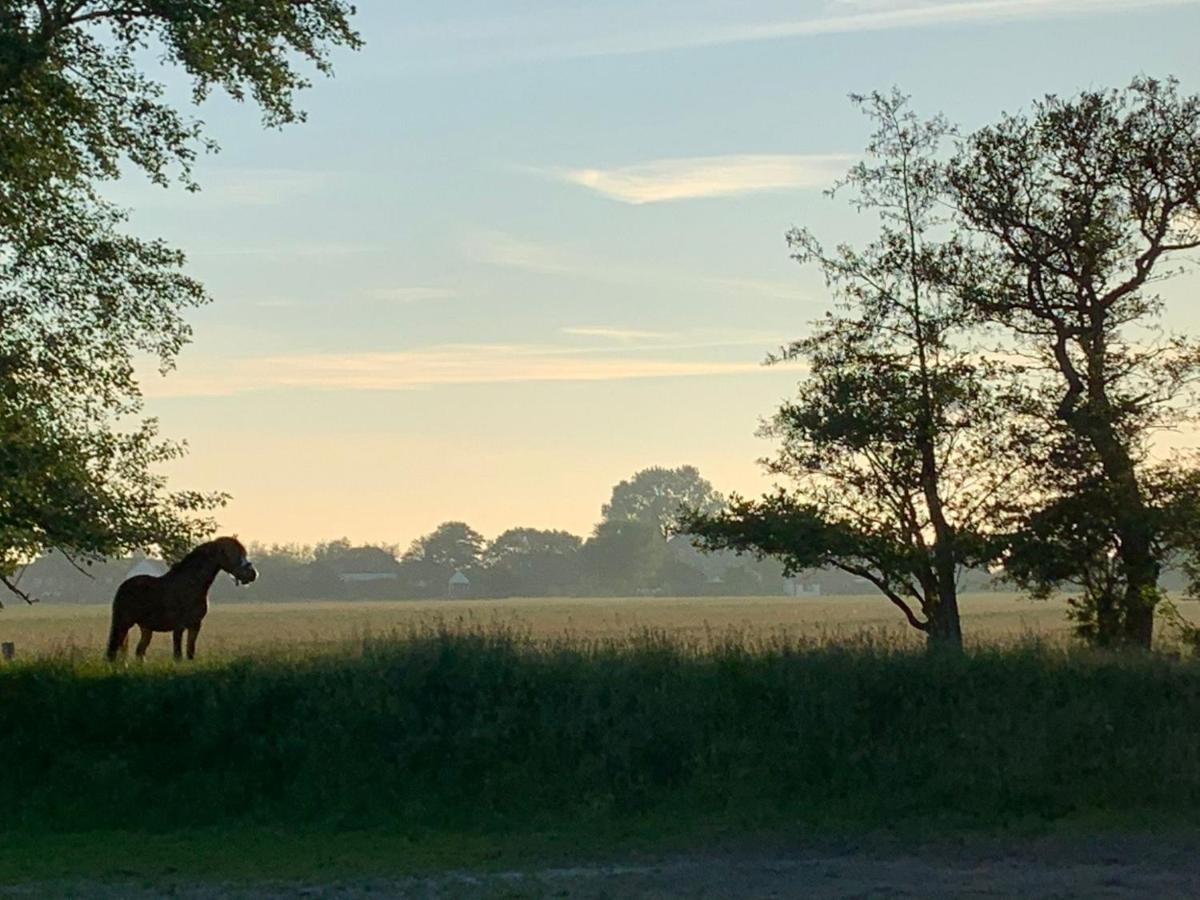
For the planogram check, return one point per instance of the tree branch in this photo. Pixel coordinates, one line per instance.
(16, 590)
(886, 590)
(78, 568)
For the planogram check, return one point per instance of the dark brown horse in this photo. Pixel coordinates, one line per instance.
(178, 600)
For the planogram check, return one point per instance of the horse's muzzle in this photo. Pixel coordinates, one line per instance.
(245, 574)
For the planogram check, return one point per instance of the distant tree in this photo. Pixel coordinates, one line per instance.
(679, 578)
(347, 557)
(422, 578)
(80, 300)
(450, 546)
(656, 495)
(898, 440)
(623, 557)
(741, 581)
(1081, 206)
(327, 551)
(531, 562)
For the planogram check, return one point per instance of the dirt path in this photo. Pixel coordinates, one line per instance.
(1101, 868)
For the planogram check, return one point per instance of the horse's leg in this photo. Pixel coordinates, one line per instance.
(177, 638)
(193, 630)
(144, 642)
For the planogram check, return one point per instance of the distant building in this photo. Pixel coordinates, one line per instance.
(360, 577)
(361, 565)
(460, 584)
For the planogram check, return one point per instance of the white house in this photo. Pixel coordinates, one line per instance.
(459, 584)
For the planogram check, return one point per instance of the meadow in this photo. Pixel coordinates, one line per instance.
(232, 629)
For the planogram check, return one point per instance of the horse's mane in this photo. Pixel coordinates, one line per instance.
(198, 555)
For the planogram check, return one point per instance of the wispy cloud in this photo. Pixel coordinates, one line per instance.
(498, 248)
(449, 364)
(571, 31)
(869, 17)
(413, 294)
(778, 290)
(262, 187)
(617, 334)
(710, 176)
(288, 251)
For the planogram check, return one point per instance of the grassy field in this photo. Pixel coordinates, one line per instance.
(233, 629)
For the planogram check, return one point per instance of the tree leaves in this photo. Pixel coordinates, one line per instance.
(81, 302)
(897, 439)
(1078, 208)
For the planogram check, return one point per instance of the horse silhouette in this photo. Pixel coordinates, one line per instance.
(176, 601)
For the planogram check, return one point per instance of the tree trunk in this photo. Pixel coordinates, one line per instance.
(1132, 524)
(945, 628)
(1141, 586)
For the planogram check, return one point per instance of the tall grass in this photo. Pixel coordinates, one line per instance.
(492, 729)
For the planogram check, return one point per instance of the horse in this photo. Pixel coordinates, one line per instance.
(176, 601)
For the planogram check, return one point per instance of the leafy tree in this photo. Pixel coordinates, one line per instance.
(896, 436)
(624, 557)
(346, 557)
(1081, 205)
(531, 562)
(680, 578)
(656, 495)
(80, 300)
(450, 546)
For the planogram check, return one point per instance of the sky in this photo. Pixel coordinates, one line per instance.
(521, 250)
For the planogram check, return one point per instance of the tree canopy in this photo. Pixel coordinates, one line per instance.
(450, 546)
(1041, 240)
(532, 562)
(656, 496)
(1079, 209)
(896, 438)
(80, 299)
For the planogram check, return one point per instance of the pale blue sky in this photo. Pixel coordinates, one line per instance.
(521, 250)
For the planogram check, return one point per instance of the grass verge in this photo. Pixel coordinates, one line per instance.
(443, 748)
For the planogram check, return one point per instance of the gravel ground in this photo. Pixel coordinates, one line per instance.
(1157, 868)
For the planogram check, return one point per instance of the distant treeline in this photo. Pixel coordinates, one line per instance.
(625, 559)
(631, 551)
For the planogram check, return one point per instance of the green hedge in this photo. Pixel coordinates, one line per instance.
(492, 730)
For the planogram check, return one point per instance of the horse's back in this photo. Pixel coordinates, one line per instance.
(136, 591)
(148, 601)
(137, 584)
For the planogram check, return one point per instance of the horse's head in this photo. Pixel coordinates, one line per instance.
(231, 556)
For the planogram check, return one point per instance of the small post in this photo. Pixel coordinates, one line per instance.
(8, 650)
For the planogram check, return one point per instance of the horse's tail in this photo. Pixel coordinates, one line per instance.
(117, 636)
